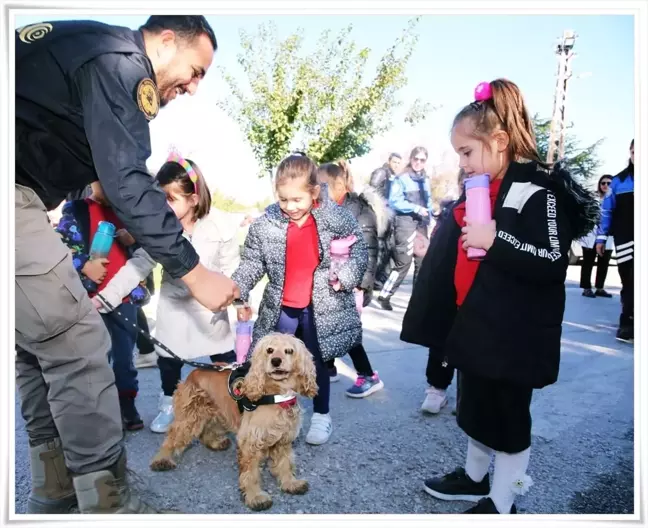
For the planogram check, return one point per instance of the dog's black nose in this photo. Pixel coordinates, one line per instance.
(275, 361)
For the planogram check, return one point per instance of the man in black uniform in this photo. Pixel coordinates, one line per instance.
(85, 93)
(382, 177)
(381, 180)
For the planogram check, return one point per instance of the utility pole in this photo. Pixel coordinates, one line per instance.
(564, 52)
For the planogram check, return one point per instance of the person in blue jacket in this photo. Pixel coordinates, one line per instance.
(617, 219)
(411, 201)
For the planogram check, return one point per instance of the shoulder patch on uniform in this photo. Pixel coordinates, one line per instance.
(29, 34)
(519, 194)
(148, 98)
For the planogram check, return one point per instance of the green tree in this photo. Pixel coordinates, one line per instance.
(582, 162)
(318, 102)
(419, 111)
(227, 203)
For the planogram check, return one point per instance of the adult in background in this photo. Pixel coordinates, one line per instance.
(411, 201)
(590, 256)
(85, 93)
(617, 219)
(381, 180)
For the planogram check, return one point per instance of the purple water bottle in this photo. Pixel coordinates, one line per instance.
(340, 252)
(243, 340)
(102, 241)
(478, 207)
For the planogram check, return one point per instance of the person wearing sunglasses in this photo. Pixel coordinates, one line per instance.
(411, 201)
(590, 255)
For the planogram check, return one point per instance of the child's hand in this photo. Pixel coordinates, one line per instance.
(97, 303)
(244, 314)
(478, 236)
(124, 238)
(95, 269)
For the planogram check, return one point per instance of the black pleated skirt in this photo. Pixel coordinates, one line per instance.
(495, 413)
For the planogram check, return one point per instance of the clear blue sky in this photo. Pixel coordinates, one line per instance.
(456, 52)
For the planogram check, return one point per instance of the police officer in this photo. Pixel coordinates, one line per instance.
(85, 93)
(381, 179)
(617, 219)
(411, 201)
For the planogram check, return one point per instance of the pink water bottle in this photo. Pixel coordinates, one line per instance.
(478, 207)
(340, 252)
(243, 340)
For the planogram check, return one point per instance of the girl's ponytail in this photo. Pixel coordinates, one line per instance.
(500, 106)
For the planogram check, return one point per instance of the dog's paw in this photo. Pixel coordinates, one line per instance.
(296, 487)
(219, 444)
(163, 464)
(259, 502)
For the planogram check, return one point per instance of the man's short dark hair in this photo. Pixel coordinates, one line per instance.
(188, 27)
(394, 155)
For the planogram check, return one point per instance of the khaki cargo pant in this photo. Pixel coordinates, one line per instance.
(66, 386)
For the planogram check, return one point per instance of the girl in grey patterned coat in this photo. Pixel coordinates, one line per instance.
(290, 243)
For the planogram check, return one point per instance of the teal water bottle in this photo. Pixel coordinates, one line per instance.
(102, 241)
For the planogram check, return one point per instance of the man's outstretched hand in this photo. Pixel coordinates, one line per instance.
(210, 288)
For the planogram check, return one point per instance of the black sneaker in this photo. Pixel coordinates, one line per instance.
(589, 293)
(385, 304)
(486, 506)
(333, 374)
(625, 333)
(602, 293)
(131, 420)
(457, 486)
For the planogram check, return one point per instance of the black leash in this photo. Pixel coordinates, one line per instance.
(149, 337)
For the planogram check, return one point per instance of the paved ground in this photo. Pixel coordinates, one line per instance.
(382, 447)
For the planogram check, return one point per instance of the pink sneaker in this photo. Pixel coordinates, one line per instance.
(364, 387)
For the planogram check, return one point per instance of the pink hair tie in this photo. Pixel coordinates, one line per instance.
(483, 92)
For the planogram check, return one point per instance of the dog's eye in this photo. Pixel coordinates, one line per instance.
(270, 350)
(289, 351)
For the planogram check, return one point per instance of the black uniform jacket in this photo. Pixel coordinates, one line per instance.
(78, 120)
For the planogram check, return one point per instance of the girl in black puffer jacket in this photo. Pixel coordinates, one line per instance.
(499, 321)
(370, 212)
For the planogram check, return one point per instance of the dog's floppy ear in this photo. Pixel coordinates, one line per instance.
(253, 384)
(306, 374)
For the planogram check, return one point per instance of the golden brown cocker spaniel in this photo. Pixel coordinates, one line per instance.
(203, 409)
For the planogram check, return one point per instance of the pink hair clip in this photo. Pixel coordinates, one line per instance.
(483, 92)
(177, 158)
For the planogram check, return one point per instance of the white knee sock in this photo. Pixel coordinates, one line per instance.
(510, 478)
(478, 459)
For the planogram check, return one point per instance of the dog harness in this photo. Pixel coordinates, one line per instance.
(244, 404)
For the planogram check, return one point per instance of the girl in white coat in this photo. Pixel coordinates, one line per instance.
(182, 323)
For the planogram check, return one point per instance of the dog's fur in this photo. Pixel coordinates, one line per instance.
(203, 409)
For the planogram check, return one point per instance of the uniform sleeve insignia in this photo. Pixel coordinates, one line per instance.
(148, 98)
(33, 32)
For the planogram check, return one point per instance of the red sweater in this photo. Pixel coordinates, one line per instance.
(302, 258)
(117, 255)
(465, 269)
